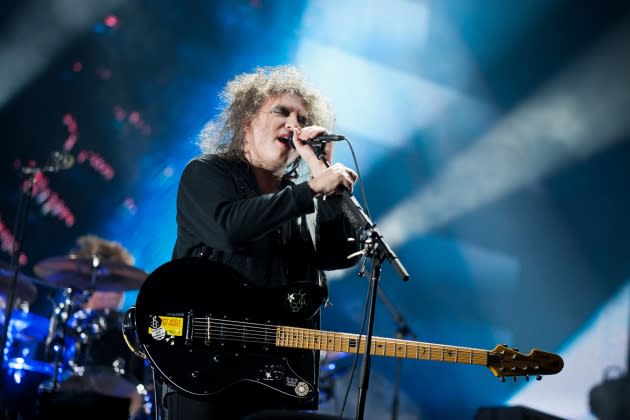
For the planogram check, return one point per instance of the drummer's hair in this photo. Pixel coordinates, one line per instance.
(90, 245)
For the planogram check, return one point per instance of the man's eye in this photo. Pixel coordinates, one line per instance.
(281, 111)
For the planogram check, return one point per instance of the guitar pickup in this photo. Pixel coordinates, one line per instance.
(189, 329)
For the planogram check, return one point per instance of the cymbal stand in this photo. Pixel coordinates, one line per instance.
(56, 339)
(57, 332)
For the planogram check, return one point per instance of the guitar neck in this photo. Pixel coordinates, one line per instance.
(303, 338)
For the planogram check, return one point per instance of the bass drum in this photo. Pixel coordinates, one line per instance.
(101, 362)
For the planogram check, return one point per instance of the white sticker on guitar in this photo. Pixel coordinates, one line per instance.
(158, 334)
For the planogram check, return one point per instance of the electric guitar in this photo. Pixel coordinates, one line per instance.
(204, 328)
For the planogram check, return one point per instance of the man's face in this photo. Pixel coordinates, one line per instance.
(264, 145)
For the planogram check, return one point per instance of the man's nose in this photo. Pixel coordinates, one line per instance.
(292, 120)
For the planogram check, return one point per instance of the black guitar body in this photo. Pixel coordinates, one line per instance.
(204, 329)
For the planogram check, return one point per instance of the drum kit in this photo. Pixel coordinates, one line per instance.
(77, 349)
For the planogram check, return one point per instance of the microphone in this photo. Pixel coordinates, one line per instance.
(317, 141)
(56, 162)
(60, 161)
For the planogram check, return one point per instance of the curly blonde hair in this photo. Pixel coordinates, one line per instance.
(245, 94)
(89, 245)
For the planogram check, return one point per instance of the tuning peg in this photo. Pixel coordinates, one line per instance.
(538, 377)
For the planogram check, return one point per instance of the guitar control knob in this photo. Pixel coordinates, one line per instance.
(216, 359)
(526, 378)
(538, 377)
(194, 374)
(502, 379)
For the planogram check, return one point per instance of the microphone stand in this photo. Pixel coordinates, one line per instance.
(378, 250)
(21, 218)
(402, 331)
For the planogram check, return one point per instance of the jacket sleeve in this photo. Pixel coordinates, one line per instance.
(210, 204)
(336, 236)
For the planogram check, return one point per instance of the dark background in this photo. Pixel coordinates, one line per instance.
(532, 266)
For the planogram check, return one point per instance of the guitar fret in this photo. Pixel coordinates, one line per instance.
(399, 349)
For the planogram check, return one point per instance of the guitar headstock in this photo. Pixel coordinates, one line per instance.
(503, 361)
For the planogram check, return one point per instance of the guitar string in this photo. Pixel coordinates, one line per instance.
(238, 327)
(231, 333)
(461, 356)
(265, 334)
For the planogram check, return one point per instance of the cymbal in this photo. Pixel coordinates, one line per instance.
(77, 273)
(25, 289)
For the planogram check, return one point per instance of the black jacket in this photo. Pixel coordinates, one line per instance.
(267, 238)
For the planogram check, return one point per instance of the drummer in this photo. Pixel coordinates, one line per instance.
(90, 246)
